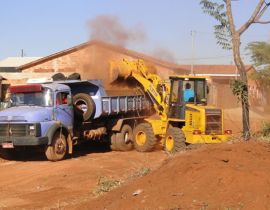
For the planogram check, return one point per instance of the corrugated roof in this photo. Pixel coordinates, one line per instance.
(17, 61)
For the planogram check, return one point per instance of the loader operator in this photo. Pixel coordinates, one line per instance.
(188, 93)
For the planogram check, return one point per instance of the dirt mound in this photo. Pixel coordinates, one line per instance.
(224, 176)
(233, 119)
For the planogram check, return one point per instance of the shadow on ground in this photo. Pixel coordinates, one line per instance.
(37, 153)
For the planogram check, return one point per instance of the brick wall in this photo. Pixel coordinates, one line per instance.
(91, 62)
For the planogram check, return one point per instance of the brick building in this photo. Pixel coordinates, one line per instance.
(92, 61)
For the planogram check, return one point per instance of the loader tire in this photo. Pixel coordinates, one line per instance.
(58, 149)
(174, 140)
(85, 106)
(144, 138)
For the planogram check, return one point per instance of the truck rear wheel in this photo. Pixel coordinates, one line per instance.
(84, 105)
(58, 148)
(122, 141)
(144, 138)
(174, 140)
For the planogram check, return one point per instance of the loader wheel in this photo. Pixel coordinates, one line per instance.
(174, 140)
(144, 138)
(122, 141)
(58, 149)
(85, 106)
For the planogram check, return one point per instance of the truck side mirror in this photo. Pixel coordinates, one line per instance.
(207, 89)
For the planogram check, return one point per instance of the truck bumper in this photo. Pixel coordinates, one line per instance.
(24, 140)
(206, 139)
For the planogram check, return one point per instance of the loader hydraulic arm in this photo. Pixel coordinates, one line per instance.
(153, 85)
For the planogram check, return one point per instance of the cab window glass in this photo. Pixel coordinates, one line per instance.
(62, 98)
(174, 92)
(188, 91)
(201, 91)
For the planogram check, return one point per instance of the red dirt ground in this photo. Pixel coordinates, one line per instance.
(39, 184)
(225, 176)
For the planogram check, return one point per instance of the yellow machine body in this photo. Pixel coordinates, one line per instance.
(198, 120)
(196, 123)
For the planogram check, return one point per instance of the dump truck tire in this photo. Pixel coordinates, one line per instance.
(113, 145)
(144, 138)
(124, 139)
(174, 140)
(84, 103)
(58, 148)
(74, 76)
(58, 77)
(8, 154)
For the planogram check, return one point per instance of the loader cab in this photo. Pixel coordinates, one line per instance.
(186, 90)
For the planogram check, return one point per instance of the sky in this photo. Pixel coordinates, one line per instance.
(44, 27)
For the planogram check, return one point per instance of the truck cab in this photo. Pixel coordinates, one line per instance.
(37, 115)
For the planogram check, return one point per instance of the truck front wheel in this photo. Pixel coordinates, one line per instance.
(144, 138)
(58, 148)
(8, 154)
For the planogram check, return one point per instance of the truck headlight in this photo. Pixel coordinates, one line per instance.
(32, 130)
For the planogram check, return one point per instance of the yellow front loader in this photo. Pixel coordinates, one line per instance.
(181, 112)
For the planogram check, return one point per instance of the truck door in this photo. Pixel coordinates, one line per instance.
(64, 108)
(176, 105)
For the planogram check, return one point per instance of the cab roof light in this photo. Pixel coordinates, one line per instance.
(25, 88)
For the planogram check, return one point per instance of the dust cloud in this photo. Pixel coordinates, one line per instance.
(164, 54)
(109, 28)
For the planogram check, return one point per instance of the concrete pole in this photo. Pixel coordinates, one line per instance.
(193, 33)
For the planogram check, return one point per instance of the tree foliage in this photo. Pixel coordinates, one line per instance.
(260, 55)
(217, 10)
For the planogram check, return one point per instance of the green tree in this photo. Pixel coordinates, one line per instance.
(229, 37)
(260, 55)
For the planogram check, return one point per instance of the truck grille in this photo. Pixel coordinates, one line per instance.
(213, 121)
(13, 129)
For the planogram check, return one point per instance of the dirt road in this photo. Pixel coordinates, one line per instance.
(39, 184)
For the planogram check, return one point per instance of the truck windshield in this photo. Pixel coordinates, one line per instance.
(44, 98)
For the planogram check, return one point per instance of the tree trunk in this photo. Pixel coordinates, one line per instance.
(243, 76)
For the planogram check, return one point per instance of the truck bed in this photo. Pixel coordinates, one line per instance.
(124, 104)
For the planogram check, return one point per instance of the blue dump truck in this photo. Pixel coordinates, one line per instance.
(56, 115)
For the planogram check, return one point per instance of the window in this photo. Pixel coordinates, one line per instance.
(174, 91)
(44, 98)
(188, 91)
(201, 91)
(62, 98)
